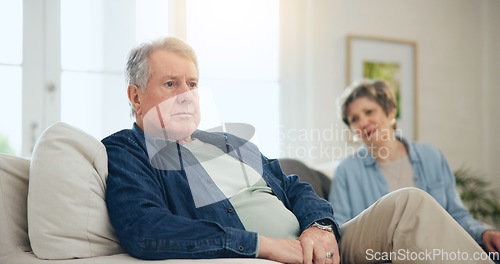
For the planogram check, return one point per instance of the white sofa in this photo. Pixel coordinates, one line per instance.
(45, 177)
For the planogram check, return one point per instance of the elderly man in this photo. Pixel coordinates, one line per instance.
(177, 192)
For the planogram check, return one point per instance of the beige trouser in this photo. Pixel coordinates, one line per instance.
(407, 226)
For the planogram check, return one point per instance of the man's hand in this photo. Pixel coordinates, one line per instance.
(280, 249)
(315, 245)
(491, 240)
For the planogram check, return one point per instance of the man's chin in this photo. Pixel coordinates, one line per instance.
(182, 132)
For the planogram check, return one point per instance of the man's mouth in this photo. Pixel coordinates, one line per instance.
(182, 114)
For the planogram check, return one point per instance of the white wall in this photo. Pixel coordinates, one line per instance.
(458, 71)
(490, 101)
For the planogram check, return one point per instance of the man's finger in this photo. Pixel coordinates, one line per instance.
(319, 255)
(307, 249)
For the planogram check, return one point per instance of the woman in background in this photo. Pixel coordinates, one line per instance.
(387, 162)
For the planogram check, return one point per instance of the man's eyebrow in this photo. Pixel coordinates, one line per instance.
(175, 77)
(169, 77)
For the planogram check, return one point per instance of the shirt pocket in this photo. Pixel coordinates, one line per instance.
(437, 190)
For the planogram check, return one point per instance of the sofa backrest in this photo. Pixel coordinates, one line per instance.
(319, 181)
(14, 174)
(54, 203)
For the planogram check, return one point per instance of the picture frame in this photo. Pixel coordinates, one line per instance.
(393, 60)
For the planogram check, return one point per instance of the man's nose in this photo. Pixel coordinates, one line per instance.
(184, 95)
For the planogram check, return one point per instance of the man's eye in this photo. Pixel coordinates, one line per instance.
(193, 85)
(169, 84)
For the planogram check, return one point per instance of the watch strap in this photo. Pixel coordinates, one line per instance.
(328, 228)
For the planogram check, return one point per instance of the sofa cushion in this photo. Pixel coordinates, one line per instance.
(67, 215)
(14, 172)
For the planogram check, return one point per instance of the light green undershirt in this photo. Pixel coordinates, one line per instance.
(257, 207)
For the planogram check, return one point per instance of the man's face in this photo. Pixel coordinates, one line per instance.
(170, 106)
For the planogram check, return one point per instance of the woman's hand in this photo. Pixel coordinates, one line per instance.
(491, 240)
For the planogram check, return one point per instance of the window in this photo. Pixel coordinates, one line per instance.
(11, 76)
(95, 39)
(237, 43)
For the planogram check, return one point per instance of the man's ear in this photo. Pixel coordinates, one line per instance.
(133, 92)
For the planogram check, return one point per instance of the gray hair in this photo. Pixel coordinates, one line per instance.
(138, 70)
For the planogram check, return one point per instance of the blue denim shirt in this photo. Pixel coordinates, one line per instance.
(358, 183)
(160, 212)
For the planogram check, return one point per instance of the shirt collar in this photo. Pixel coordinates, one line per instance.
(217, 139)
(369, 160)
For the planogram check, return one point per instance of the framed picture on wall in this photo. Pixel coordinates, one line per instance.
(394, 61)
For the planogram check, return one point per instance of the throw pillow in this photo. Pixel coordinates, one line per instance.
(67, 215)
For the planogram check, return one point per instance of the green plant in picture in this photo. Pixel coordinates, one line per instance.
(477, 196)
(5, 146)
(385, 71)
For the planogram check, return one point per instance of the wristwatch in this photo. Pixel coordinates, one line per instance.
(323, 225)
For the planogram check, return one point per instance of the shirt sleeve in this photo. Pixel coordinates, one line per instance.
(144, 222)
(339, 197)
(455, 206)
(305, 204)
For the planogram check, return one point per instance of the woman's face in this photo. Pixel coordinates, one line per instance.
(368, 120)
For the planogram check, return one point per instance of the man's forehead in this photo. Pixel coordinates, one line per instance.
(164, 53)
(164, 62)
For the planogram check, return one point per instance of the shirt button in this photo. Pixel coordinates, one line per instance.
(229, 210)
(241, 248)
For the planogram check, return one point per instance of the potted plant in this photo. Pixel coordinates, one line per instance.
(477, 195)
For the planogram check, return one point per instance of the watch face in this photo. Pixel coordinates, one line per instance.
(325, 222)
